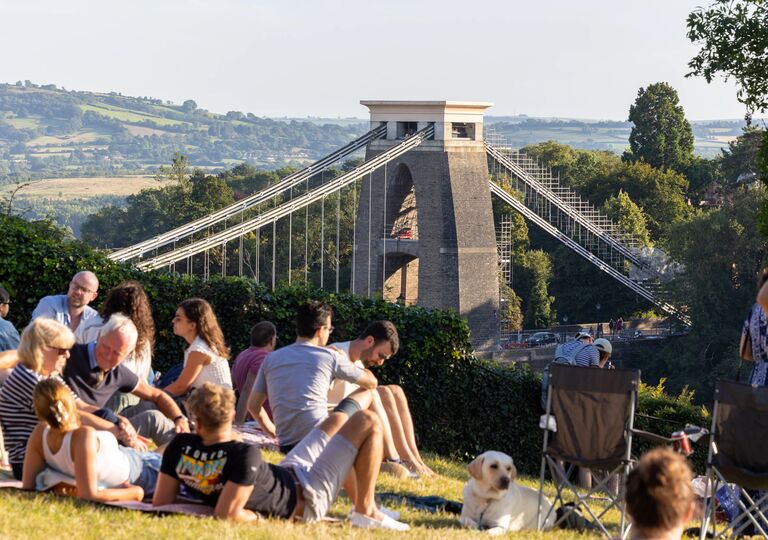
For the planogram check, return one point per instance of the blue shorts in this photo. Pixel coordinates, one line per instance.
(145, 468)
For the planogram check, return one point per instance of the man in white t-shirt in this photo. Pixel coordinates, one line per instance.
(375, 345)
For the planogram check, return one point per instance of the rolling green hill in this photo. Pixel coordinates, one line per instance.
(46, 131)
(49, 132)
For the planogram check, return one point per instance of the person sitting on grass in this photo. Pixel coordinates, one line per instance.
(659, 496)
(375, 345)
(43, 353)
(103, 470)
(232, 477)
(205, 355)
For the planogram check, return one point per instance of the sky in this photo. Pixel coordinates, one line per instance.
(552, 58)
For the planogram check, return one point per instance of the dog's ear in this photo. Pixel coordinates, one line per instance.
(476, 467)
(513, 472)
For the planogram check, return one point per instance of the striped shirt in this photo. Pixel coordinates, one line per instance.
(589, 356)
(17, 414)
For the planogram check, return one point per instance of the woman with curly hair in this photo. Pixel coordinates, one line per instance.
(130, 299)
(206, 354)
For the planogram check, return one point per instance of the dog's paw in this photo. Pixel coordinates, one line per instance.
(467, 523)
(496, 531)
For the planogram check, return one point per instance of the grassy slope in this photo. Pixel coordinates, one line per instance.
(43, 516)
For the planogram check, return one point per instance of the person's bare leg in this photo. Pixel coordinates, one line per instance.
(410, 435)
(390, 450)
(398, 433)
(363, 430)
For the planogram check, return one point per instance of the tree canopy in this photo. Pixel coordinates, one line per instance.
(733, 40)
(661, 136)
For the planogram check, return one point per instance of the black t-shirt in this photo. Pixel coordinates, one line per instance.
(88, 384)
(206, 469)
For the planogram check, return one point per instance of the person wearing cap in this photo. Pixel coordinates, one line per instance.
(605, 349)
(587, 354)
(9, 336)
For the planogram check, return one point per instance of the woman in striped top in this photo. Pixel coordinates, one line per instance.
(43, 352)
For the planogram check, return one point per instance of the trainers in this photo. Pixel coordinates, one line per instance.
(394, 514)
(364, 522)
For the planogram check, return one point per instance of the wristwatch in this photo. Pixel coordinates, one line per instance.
(180, 417)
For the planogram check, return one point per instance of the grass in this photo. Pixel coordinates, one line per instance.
(129, 116)
(24, 515)
(79, 188)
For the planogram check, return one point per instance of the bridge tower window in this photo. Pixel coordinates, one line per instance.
(406, 129)
(462, 130)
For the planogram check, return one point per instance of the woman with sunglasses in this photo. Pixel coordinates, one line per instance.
(43, 352)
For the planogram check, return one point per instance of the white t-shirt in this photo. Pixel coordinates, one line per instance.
(339, 387)
(216, 372)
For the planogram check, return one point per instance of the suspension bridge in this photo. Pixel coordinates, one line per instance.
(411, 220)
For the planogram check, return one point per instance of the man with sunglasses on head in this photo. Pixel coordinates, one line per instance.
(72, 308)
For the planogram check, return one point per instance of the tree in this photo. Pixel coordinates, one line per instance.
(739, 161)
(733, 36)
(661, 136)
(189, 105)
(628, 216)
(177, 172)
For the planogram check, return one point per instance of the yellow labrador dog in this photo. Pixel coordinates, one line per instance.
(494, 502)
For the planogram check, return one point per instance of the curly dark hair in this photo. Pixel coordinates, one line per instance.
(130, 299)
(201, 313)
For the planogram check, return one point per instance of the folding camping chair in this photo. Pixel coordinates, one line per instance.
(737, 454)
(594, 411)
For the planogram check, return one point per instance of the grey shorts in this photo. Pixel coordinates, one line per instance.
(321, 464)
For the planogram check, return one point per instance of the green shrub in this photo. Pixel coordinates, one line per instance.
(461, 406)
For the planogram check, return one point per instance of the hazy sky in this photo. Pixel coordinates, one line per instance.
(580, 59)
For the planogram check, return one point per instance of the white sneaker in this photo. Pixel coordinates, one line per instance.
(364, 522)
(394, 514)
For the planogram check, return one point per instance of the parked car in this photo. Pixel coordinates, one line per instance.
(542, 338)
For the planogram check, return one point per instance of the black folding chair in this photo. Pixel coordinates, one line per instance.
(738, 454)
(594, 411)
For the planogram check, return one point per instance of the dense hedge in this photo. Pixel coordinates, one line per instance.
(461, 406)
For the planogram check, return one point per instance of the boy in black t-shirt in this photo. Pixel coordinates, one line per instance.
(232, 477)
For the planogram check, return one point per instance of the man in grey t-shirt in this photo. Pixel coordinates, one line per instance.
(297, 378)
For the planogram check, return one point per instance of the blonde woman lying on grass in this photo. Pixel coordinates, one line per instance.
(93, 458)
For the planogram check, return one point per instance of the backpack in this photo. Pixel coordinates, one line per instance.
(561, 357)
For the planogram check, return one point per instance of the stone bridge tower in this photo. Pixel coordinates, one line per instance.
(424, 231)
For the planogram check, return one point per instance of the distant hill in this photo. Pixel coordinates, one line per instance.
(47, 131)
(709, 136)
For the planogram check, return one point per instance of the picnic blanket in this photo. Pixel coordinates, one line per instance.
(252, 434)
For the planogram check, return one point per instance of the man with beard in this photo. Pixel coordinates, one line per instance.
(72, 308)
(375, 345)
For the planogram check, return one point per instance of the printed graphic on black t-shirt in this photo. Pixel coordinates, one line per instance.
(201, 471)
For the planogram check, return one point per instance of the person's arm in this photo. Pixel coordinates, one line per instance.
(257, 410)
(85, 447)
(242, 403)
(9, 359)
(122, 432)
(195, 362)
(762, 297)
(166, 490)
(44, 309)
(34, 460)
(165, 404)
(231, 504)
(367, 380)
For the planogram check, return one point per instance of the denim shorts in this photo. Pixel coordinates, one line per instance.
(145, 468)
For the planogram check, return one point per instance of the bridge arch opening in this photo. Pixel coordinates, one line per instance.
(402, 232)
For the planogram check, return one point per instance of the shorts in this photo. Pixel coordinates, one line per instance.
(145, 468)
(321, 464)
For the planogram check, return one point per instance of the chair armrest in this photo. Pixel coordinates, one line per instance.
(653, 437)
